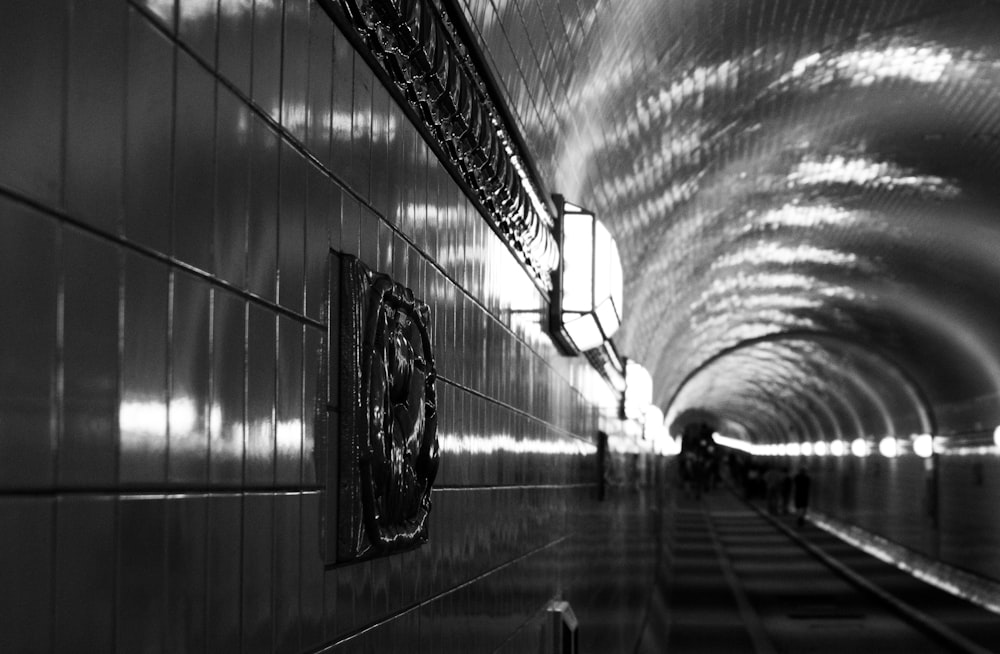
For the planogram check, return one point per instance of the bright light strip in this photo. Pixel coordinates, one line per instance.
(976, 589)
(923, 446)
(734, 443)
(996, 436)
(455, 444)
(864, 67)
(888, 447)
(809, 217)
(862, 172)
(776, 253)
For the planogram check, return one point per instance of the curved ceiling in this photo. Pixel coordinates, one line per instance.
(775, 168)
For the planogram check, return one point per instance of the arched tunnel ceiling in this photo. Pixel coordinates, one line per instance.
(767, 167)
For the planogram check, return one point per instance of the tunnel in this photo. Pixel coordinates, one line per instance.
(501, 326)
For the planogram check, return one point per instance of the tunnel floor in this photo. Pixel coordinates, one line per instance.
(744, 582)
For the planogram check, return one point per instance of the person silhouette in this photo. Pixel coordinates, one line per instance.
(801, 483)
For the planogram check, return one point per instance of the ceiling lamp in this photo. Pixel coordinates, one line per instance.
(587, 286)
(888, 447)
(653, 427)
(638, 391)
(923, 446)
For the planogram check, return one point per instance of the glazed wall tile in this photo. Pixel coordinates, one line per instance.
(27, 376)
(144, 409)
(321, 212)
(265, 81)
(227, 424)
(292, 230)
(312, 604)
(189, 411)
(186, 573)
(258, 587)
(26, 552)
(262, 226)
(91, 280)
(223, 572)
(141, 574)
(84, 555)
(232, 184)
(95, 110)
(149, 103)
(235, 39)
(319, 99)
(289, 406)
(194, 165)
(34, 42)
(359, 172)
(287, 573)
(251, 141)
(259, 462)
(197, 25)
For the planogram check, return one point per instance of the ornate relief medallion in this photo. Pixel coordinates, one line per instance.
(388, 454)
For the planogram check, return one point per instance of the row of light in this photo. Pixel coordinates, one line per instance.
(890, 447)
(923, 445)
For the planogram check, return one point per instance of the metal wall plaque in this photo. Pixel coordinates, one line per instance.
(388, 449)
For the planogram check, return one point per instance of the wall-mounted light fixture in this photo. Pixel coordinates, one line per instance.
(587, 285)
(610, 365)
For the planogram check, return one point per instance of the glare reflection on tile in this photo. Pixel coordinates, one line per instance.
(921, 63)
(780, 254)
(863, 171)
(455, 444)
